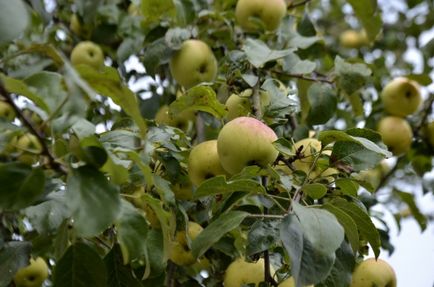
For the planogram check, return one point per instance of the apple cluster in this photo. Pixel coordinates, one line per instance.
(401, 97)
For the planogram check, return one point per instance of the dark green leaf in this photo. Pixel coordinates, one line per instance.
(21, 185)
(369, 15)
(351, 77)
(219, 185)
(94, 201)
(132, 230)
(347, 186)
(216, 230)
(258, 53)
(262, 236)
(119, 275)
(81, 266)
(323, 103)
(13, 256)
(315, 190)
(408, 198)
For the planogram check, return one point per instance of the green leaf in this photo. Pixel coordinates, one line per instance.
(364, 223)
(216, 230)
(153, 10)
(347, 186)
(199, 98)
(340, 275)
(219, 185)
(49, 215)
(94, 201)
(19, 87)
(315, 190)
(14, 19)
(262, 236)
(155, 54)
(320, 227)
(108, 83)
(351, 77)
(308, 265)
(21, 185)
(323, 103)
(423, 79)
(349, 225)
(155, 245)
(369, 15)
(292, 64)
(258, 53)
(354, 156)
(132, 230)
(119, 275)
(81, 266)
(284, 146)
(13, 256)
(408, 198)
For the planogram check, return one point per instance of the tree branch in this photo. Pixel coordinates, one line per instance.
(40, 137)
(294, 5)
(306, 78)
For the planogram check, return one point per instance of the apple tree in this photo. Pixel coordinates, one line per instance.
(210, 142)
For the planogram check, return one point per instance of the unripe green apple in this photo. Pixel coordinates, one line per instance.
(241, 272)
(401, 97)
(6, 111)
(204, 162)
(270, 12)
(430, 133)
(75, 25)
(396, 134)
(193, 64)
(308, 149)
(290, 283)
(32, 275)
(179, 252)
(373, 272)
(87, 53)
(28, 143)
(181, 121)
(246, 141)
(353, 39)
(241, 105)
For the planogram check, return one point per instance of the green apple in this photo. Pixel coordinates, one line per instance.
(204, 162)
(270, 12)
(240, 273)
(401, 97)
(183, 191)
(75, 25)
(28, 143)
(179, 252)
(87, 53)
(181, 121)
(241, 105)
(246, 141)
(396, 134)
(429, 133)
(193, 64)
(373, 272)
(32, 275)
(353, 39)
(6, 111)
(290, 283)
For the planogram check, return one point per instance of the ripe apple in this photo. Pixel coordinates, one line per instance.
(180, 252)
(396, 134)
(270, 12)
(204, 162)
(290, 283)
(241, 105)
(193, 64)
(181, 121)
(246, 141)
(353, 39)
(373, 272)
(87, 53)
(241, 272)
(401, 97)
(6, 111)
(32, 275)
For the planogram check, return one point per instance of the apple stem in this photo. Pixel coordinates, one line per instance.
(45, 150)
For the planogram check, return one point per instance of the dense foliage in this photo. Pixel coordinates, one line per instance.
(94, 159)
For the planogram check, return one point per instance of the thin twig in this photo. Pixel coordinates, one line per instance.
(256, 97)
(306, 78)
(267, 274)
(45, 150)
(294, 5)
